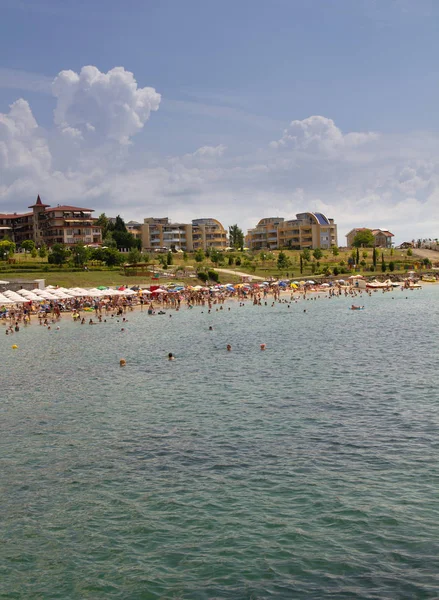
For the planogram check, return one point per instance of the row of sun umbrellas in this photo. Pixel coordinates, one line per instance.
(52, 293)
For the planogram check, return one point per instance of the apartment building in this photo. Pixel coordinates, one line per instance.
(383, 237)
(307, 230)
(49, 225)
(264, 235)
(159, 234)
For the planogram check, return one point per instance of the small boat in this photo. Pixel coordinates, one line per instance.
(354, 307)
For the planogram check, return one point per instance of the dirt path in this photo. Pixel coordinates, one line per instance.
(433, 255)
(240, 274)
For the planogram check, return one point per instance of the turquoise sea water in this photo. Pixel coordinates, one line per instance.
(310, 470)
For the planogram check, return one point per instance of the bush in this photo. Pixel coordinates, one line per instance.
(335, 271)
(238, 262)
(213, 275)
(202, 276)
(391, 266)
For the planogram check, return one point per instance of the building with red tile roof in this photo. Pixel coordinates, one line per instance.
(383, 237)
(49, 225)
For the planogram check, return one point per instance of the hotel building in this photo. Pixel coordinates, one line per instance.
(159, 234)
(46, 225)
(307, 230)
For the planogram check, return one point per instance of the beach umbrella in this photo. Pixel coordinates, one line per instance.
(311, 282)
(29, 296)
(5, 300)
(47, 295)
(13, 296)
(101, 287)
(95, 293)
(3, 282)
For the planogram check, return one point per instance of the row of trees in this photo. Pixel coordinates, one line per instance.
(115, 233)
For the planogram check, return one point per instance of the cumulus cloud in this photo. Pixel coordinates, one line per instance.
(319, 134)
(23, 148)
(109, 105)
(210, 151)
(359, 179)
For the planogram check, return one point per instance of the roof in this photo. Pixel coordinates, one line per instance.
(385, 232)
(73, 208)
(15, 215)
(321, 218)
(38, 203)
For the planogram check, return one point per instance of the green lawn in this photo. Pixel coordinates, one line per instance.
(253, 264)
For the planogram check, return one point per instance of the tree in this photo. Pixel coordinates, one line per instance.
(236, 237)
(134, 256)
(42, 252)
(111, 257)
(391, 266)
(169, 259)
(306, 254)
(103, 222)
(230, 261)
(318, 254)
(283, 261)
(301, 264)
(374, 257)
(59, 254)
(121, 235)
(199, 255)
(28, 246)
(364, 239)
(364, 254)
(81, 254)
(335, 251)
(34, 253)
(409, 252)
(7, 248)
(357, 257)
(383, 263)
(185, 256)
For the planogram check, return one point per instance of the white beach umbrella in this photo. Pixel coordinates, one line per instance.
(3, 282)
(28, 295)
(95, 293)
(79, 292)
(47, 295)
(61, 295)
(13, 296)
(5, 300)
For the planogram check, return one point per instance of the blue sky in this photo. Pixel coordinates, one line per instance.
(356, 79)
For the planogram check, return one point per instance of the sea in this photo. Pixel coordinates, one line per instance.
(309, 470)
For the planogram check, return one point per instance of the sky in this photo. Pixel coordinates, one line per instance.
(231, 109)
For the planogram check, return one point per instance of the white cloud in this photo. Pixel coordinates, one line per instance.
(318, 134)
(357, 178)
(110, 105)
(210, 151)
(24, 151)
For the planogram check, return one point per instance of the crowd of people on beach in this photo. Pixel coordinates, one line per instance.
(91, 310)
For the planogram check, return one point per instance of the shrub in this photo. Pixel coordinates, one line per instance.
(213, 275)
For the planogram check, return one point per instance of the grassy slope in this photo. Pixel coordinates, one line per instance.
(267, 268)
